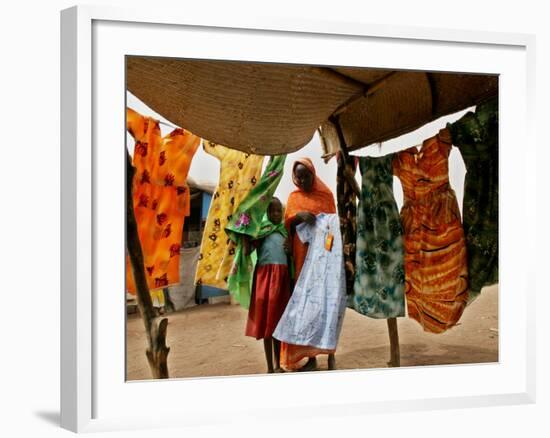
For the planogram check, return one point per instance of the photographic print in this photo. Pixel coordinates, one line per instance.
(285, 218)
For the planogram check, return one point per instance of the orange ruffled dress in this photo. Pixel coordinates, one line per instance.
(436, 272)
(161, 197)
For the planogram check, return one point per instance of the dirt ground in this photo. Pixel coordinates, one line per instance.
(208, 340)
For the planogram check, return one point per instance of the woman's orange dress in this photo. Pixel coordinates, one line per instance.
(436, 272)
(319, 200)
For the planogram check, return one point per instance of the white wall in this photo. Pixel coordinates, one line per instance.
(29, 90)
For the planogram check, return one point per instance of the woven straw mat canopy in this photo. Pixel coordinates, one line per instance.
(275, 108)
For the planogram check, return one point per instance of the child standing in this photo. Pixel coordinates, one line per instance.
(271, 283)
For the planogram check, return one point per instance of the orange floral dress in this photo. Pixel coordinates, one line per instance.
(436, 274)
(160, 195)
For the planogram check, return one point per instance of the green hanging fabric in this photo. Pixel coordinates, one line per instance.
(476, 136)
(251, 220)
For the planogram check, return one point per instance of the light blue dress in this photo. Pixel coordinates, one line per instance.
(315, 312)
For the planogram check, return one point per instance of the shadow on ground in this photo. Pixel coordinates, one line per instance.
(51, 417)
(417, 355)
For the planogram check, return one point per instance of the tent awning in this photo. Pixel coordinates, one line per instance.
(276, 108)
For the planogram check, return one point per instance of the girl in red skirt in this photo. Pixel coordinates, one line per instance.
(271, 284)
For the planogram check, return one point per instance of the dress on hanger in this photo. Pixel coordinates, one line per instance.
(476, 136)
(346, 201)
(380, 278)
(239, 173)
(161, 196)
(436, 274)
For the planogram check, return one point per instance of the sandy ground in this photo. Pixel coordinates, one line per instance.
(209, 340)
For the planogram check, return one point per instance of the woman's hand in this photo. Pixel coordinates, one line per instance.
(302, 216)
(307, 217)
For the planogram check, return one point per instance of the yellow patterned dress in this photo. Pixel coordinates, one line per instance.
(239, 172)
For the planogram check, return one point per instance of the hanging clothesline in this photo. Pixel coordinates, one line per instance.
(169, 124)
(162, 122)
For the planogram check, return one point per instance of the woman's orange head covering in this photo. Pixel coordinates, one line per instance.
(309, 166)
(319, 200)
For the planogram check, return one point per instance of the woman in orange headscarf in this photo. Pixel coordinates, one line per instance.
(311, 197)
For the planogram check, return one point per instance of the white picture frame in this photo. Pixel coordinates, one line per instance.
(94, 395)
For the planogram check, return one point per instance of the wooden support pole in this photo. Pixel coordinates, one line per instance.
(350, 177)
(395, 356)
(155, 329)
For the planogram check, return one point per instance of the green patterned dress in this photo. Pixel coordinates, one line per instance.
(249, 220)
(379, 289)
(476, 136)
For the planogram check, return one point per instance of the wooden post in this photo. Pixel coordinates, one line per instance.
(395, 357)
(155, 329)
(342, 144)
